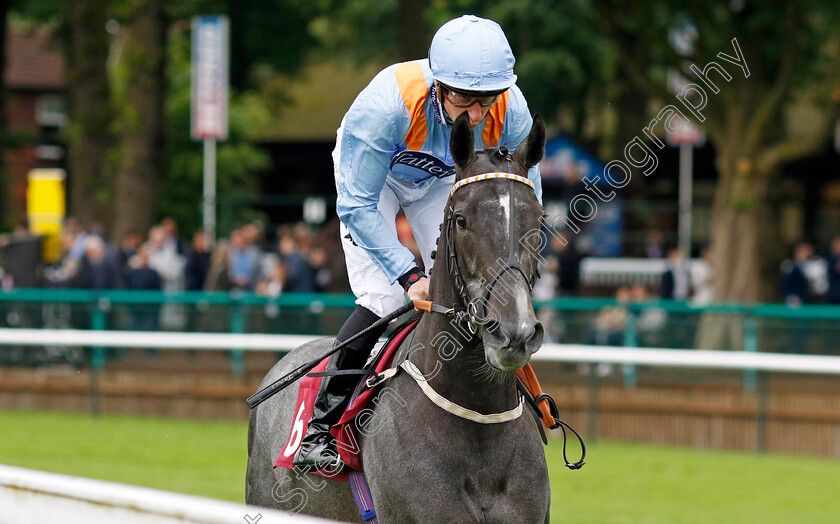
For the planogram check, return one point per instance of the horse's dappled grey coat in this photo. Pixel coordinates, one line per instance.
(423, 464)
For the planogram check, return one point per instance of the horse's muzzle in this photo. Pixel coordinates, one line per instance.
(509, 347)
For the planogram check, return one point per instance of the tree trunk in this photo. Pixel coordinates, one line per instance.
(89, 97)
(141, 129)
(736, 232)
(6, 196)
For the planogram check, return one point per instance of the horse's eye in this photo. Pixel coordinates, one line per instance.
(460, 220)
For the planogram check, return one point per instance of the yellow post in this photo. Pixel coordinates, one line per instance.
(45, 208)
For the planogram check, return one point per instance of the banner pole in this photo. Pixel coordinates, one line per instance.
(209, 204)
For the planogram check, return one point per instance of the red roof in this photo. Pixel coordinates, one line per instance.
(33, 61)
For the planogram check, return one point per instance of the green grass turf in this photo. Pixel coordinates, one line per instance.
(621, 483)
(197, 457)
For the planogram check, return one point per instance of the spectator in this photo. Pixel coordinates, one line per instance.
(834, 272)
(299, 275)
(795, 289)
(794, 283)
(676, 281)
(326, 239)
(243, 261)
(173, 240)
(78, 233)
(71, 239)
(650, 321)
(273, 285)
(545, 288)
(653, 245)
(218, 276)
(702, 280)
(140, 275)
(164, 258)
(198, 263)
(610, 322)
(254, 233)
(129, 244)
(144, 317)
(323, 274)
(568, 271)
(100, 266)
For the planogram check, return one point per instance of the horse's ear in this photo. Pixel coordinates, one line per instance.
(532, 149)
(462, 141)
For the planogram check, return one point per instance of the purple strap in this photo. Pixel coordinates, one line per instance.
(362, 496)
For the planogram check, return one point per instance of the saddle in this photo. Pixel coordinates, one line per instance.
(381, 359)
(344, 430)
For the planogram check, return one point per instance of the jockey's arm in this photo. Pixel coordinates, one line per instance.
(369, 134)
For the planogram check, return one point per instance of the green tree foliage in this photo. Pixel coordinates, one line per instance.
(268, 35)
(365, 30)
(269, 41)
(784, 45)
(563, 62)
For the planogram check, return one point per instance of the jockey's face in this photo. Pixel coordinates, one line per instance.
(476, 111)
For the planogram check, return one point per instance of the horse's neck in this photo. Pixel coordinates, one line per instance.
(454, 358)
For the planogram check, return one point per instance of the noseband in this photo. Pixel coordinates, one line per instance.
(467, 309)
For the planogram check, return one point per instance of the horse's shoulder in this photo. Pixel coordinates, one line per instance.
(407, 347)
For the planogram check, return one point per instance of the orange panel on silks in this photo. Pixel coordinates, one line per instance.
(414, 91)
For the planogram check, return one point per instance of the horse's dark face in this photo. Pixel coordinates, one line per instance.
(492, 237)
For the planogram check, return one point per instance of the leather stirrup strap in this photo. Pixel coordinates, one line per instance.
(529, 378)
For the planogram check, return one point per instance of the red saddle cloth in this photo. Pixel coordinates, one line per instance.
(344, 430)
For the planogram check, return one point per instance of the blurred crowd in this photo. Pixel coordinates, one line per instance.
(295, 259)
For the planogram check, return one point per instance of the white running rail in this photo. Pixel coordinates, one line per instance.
(817, 364)
(37, 497)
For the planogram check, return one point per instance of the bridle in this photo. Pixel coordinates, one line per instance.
(466, 309)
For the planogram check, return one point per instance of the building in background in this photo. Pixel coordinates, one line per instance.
(35, 110)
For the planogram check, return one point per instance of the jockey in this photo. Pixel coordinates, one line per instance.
(392, 152)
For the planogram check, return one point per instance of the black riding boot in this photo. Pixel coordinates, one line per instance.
(317, 449)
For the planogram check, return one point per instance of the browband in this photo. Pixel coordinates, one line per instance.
(490, 176)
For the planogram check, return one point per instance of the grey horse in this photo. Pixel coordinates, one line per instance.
(424, 464)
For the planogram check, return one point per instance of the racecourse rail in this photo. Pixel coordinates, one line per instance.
(37, 497)
(744, 360)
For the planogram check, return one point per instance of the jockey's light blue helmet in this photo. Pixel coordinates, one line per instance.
(472, 54)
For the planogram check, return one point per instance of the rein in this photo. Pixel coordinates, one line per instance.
(466, 310)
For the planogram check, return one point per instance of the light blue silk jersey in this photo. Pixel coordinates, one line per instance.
(382, 141)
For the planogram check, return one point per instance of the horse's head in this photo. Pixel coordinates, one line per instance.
(489, 243)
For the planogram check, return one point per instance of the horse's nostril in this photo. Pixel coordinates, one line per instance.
(534, 341)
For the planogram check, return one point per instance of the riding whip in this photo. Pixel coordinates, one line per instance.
(281, 383)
